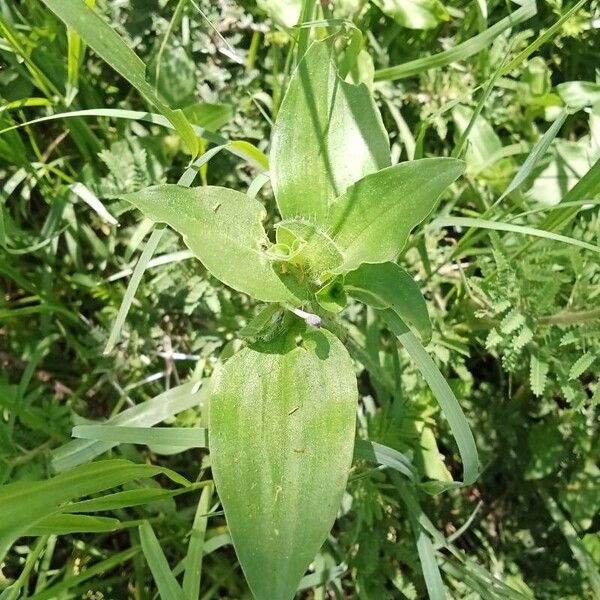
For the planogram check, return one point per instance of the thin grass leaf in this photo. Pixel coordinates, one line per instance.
(386, 456)
(195, 552)
(461, 145)
(320, 578)
(127, 499)
(542, 39)
(537, 152)
(521, 229)
(425, 548)
(587, 187)
(461, 51)
(581, 555)
(184, 437)
(62, 589)
(446, 399)
(105, 41)
(24, 504)
(83, 192)
(148, 413)
(67, 524)
(239, 148)
(134, 283)
(167, 585)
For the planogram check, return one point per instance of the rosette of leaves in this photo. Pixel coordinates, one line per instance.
(282, 410)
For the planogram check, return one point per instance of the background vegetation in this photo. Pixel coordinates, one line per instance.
(516, 316)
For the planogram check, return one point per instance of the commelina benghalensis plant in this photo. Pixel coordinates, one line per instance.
(282, 410)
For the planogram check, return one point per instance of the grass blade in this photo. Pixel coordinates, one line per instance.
(461, 51)
(522, 229)
(195, 551)
(148, 413)
(445, 398)
(537, 152)
(167, 585)
(105, 41)
(185, 437)
(83, 192)
(134, 283)
(24, 504)
(240, 148)
(383, 455)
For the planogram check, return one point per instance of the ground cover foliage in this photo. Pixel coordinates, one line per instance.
(508, 263)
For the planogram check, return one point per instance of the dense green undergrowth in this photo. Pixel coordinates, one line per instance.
(509, 266)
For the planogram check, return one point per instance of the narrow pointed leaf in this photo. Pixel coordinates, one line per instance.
(387, 285)
(446, 400)
(282, 419)
(168, 586)
(24, 504)
(371, 222)
(107, 43)
(328, 134)
(223, 228)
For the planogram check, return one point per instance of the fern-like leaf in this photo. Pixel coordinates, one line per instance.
(582, 364)
(538, 374)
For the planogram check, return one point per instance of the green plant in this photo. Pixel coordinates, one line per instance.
(282, 410)
(511, 284)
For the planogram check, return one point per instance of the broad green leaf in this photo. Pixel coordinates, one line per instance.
(283, 13)
(371, 222)
(414, 14)
(387, 285)
(282, 419)
(577, 94)
(328, 134)
(223, 228)
(24, 504)
(107, 43)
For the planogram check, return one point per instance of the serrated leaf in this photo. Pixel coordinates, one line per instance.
(582, 364)
(328, 134)
(493, 339)
(387, 285)
(223, 228)
(523, 338)
(282, 419)
(371, 221)
(538, 371)
(512, 321)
